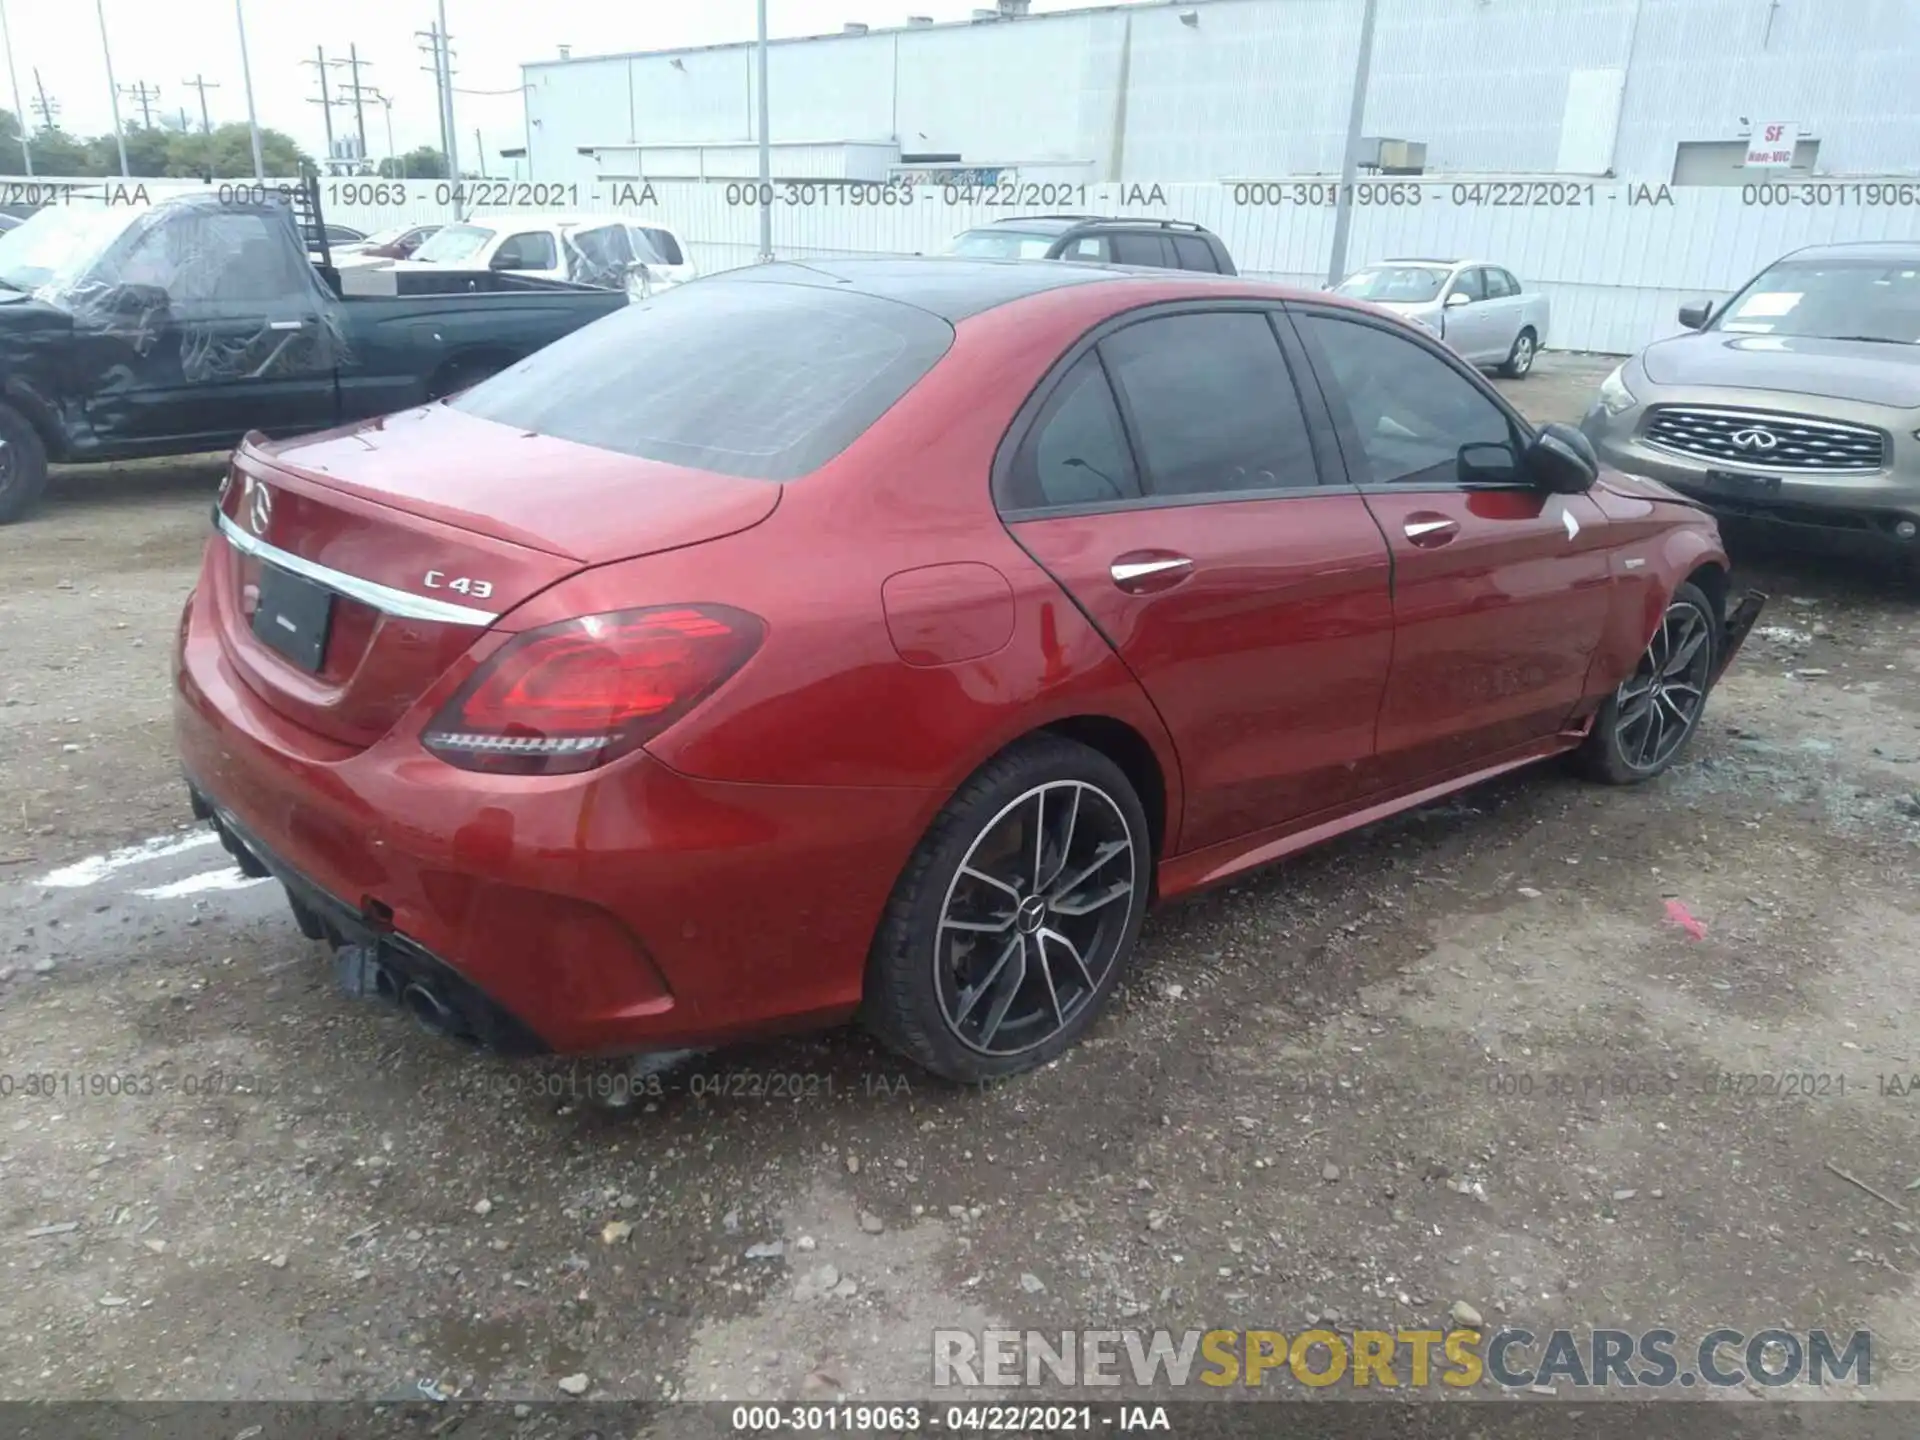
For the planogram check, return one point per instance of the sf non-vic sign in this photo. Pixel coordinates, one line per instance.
(1772, 144)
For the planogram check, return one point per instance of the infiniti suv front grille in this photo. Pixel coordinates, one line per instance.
(1775, 442)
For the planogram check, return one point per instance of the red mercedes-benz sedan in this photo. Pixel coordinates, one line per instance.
(880, 638)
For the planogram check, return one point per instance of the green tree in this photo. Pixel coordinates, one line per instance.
(57, 153)
(10, 158)
(147, 153)
(227, 154)
(424, 163)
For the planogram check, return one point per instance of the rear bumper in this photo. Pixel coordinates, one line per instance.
(629, 909)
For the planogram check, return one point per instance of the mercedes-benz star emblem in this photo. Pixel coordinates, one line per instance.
(1755, 439)
(259, 502)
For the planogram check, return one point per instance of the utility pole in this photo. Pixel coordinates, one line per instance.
(352, 63)
(49, 109)
(143, 95)
(432, 49)
(446, 94)
(246, 75)
(393, 161)
(202, 84)
(766, 153)
(1350, 161)
(26, 142)
(113, 91)
(480, 151)
(325, 103)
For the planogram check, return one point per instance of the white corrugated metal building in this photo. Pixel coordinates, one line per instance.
(1664, 90)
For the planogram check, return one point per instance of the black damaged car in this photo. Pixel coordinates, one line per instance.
(181, 326)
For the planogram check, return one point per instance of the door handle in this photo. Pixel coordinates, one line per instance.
(1141, 572)
(1428, 530)
(285, 324)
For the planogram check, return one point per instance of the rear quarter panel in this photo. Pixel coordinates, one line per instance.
(829, 698)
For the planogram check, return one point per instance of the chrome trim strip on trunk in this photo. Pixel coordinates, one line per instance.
(381, 597)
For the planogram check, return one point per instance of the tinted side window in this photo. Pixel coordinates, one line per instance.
(1076, 453)
(1193, 253)
(531, 250)
(1420, 421)
(766, 381)
(1141, 250)
(1500, 285)
(1212, 406)
(1472, 283)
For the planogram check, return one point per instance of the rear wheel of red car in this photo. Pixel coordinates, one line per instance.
(1645, 724)
(1009, 929)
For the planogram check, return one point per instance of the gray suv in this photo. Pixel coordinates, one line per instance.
(1796, 404)
(1098, 240)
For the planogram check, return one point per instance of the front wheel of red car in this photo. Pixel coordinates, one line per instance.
(1009, 928)
(1643, 726)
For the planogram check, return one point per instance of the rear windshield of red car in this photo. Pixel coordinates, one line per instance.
(760, 381)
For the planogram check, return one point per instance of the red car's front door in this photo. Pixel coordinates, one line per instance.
(1251, 603)
(1500, 589)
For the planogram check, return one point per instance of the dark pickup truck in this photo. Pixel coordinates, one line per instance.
(181, 326)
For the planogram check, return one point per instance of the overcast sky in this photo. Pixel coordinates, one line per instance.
(165, 43)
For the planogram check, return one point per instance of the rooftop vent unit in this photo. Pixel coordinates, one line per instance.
(853, 27)
(919, 22)
(1012, 9)
(981, 17)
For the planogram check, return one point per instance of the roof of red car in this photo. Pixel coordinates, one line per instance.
(955, 287)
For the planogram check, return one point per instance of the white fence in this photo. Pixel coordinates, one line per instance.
(1616, 257)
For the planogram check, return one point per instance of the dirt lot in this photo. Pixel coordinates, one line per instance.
(1463, 1057)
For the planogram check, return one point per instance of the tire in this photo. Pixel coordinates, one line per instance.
(23, 465)
(933, 988)
(1623, 748)
(1519, 359)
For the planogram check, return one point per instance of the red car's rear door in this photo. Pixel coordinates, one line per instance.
(1170, 483)
(1500, 589)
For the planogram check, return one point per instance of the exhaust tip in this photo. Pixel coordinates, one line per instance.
(428, 1009)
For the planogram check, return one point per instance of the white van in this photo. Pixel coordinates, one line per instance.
(615, 252)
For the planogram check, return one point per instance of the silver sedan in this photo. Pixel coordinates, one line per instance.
(1480, 309)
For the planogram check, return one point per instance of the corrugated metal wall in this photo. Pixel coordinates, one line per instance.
(1260, 87)
(1616, 270)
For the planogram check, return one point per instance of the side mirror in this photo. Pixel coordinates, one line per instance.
(1696, 314)
(1562, 461)
(1458, 298)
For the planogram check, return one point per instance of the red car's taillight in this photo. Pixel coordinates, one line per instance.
(572, 696)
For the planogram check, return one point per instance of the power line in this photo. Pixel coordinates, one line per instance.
(353, 64)
(436, 45)
(143, 95)
(325, 103)
(202, 84)
(49, 108)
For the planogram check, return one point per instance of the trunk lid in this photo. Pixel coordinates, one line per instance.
(424, 529)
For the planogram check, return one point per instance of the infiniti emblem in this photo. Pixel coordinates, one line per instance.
(259, 502)
(1755, 439)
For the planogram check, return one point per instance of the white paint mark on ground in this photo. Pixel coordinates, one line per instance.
(230, 878)
(95, 868)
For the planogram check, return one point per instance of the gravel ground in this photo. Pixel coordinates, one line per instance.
(1462, 1057)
